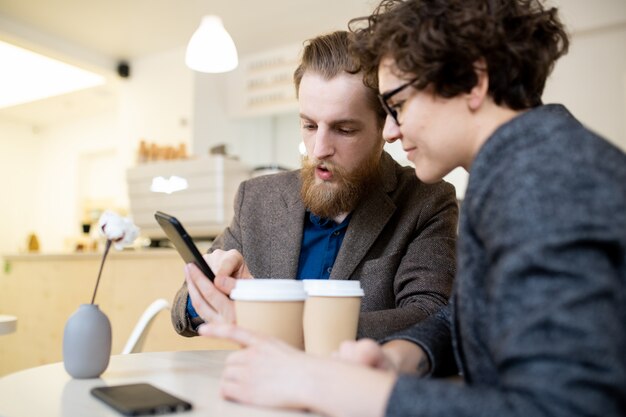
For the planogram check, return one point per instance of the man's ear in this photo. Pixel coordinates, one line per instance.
(478, 93)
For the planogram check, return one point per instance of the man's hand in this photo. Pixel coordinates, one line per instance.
(228, 263)
(210, 299)
(399, 356)
(365, 352)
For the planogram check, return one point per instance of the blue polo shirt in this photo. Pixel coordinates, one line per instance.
(321, 241)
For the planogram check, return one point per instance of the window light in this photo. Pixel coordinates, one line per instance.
(28, 76)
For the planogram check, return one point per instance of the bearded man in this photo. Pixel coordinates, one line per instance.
(350, 213)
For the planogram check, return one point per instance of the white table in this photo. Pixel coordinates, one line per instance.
(8, 324)
(191, 375)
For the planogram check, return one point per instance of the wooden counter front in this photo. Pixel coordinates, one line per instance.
(42, 291)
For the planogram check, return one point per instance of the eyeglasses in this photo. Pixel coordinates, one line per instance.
(391, 111)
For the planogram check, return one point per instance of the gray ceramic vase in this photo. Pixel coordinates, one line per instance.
(87, 342)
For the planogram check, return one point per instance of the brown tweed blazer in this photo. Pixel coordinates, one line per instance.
(400, 244)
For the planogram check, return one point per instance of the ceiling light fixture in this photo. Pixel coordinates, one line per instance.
(211, 49)
(28, 76)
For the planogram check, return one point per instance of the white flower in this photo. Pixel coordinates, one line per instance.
(119, 230)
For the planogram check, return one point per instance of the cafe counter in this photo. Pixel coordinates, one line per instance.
(42, 291)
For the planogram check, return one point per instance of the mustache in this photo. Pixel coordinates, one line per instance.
(312, 163)
(329, 200)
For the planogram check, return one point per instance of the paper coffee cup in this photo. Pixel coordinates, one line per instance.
(273, 307)
(331, 314)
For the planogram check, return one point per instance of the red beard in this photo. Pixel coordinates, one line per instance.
(341, 195)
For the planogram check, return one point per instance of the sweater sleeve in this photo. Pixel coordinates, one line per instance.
(548, 298)
(433, 335)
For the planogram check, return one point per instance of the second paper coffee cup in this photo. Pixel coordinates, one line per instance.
(273, 307)
(331, 314)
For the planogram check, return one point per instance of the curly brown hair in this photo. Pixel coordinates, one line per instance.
(440, 41)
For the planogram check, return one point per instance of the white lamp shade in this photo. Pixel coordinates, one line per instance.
(211, 49)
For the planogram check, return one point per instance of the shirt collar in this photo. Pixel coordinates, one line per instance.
(324, 223)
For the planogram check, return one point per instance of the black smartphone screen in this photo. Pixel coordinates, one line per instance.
(139, 399)
(182, 242)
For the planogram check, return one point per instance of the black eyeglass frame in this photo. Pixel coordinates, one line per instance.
(386, 96)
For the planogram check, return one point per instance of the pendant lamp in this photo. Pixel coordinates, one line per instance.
(211, 49)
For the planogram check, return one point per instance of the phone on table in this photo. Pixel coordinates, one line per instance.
(140, 399)
(182, 242)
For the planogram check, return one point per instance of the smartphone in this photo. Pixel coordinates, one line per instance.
(139, 399)
(182, 242)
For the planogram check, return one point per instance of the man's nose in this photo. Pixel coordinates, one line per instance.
(391, 130)
(324, 146)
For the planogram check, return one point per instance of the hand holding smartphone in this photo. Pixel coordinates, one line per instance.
(183, 242)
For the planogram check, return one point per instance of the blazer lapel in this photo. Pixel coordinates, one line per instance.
(366, 224)
(287, 228)
(368, 221)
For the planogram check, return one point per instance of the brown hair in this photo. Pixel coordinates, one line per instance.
(440, 41)
(329, 55)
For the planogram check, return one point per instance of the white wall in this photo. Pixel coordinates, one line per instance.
(256, 140)
(590, 81)
(65, 146)
(20, 158)
(156, 104)
(49, 165)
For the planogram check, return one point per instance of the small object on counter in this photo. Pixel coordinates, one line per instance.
(87, 342)
(33, 243)
(87, 333)
(218, 150)
(154, 152)
(182, 151)
(143, 154)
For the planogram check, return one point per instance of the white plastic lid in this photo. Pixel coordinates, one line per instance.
(333, 288)
(268, 290)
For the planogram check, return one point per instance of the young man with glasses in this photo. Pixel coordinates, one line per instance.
(350, 213)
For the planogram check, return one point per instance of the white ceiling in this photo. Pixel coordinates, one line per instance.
(100, 33)
(127, 29)
(103, 32)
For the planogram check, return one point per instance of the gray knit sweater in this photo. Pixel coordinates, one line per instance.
(537, 323)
